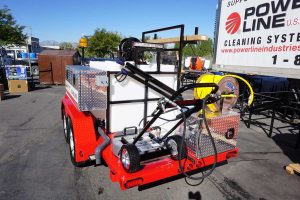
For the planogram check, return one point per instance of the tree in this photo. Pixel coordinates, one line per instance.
(205, 48)
(103, 42)
(10, 31)
(66, 45)
(202, 49)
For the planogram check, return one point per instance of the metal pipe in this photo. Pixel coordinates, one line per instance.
(250, 116)
(82, 58)
(155, 117)
(180, 118)
(150, 78)
(298, 138)
(180, 53)
(149, 85)
(171, 130)
(101, 146)
(163, 29)
(196, 30)
(194, 85)
(272, 123)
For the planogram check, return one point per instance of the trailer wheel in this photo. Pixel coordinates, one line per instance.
(71, 141)
(174, 143)
(72, 145)
(130, 158)
(65, 125)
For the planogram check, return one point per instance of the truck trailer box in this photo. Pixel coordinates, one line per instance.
(258, 37)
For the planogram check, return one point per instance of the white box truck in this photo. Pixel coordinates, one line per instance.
(258, 37)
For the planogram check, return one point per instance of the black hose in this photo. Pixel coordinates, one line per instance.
(212, 142)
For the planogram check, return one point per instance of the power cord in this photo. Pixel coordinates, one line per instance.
(212, 142)
(168, 120)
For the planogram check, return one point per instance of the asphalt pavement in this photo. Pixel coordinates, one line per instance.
(35, 162)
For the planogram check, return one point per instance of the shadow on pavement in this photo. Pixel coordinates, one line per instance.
(287, 143)
(194, 196)
(285, 136)
(11, 96)
(40, 87)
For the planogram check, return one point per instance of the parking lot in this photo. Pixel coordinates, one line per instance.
(35, 162)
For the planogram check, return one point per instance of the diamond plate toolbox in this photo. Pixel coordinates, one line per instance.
(223, 127)
(87, 86)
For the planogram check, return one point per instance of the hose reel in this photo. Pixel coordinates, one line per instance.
(126, 48)
(228, 89)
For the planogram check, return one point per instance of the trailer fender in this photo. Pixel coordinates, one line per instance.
(86, 138)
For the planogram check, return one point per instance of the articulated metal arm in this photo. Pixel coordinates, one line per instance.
(189, 112)
(162, 89)
(149, 78)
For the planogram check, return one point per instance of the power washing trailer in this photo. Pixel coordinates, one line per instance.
(133, 116)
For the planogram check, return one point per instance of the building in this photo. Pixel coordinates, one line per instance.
(4, 59)
(19, 52)
(50, 47)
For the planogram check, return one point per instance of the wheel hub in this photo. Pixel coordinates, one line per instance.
(65, 125)
(125, 159)
(173, 147)
(72, 144)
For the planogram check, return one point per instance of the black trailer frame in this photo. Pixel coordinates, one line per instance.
(275, 106)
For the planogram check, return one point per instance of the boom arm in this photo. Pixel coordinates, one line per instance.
(162, 89)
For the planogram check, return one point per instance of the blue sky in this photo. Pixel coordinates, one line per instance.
(67, 20)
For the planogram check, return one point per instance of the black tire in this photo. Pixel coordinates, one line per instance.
(65, 126)
(130, 158)
(174, 144)
(72, 146)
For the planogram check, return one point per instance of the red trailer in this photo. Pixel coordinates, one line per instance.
(139, 155)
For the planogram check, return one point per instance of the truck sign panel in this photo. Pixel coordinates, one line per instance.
(258, 33)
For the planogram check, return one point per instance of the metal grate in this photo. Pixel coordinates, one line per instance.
(224, 129)
(88, 87)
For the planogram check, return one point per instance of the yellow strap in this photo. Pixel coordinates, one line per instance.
(228, 95)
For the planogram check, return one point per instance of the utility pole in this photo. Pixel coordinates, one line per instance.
(28, 52)
(28, 56)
